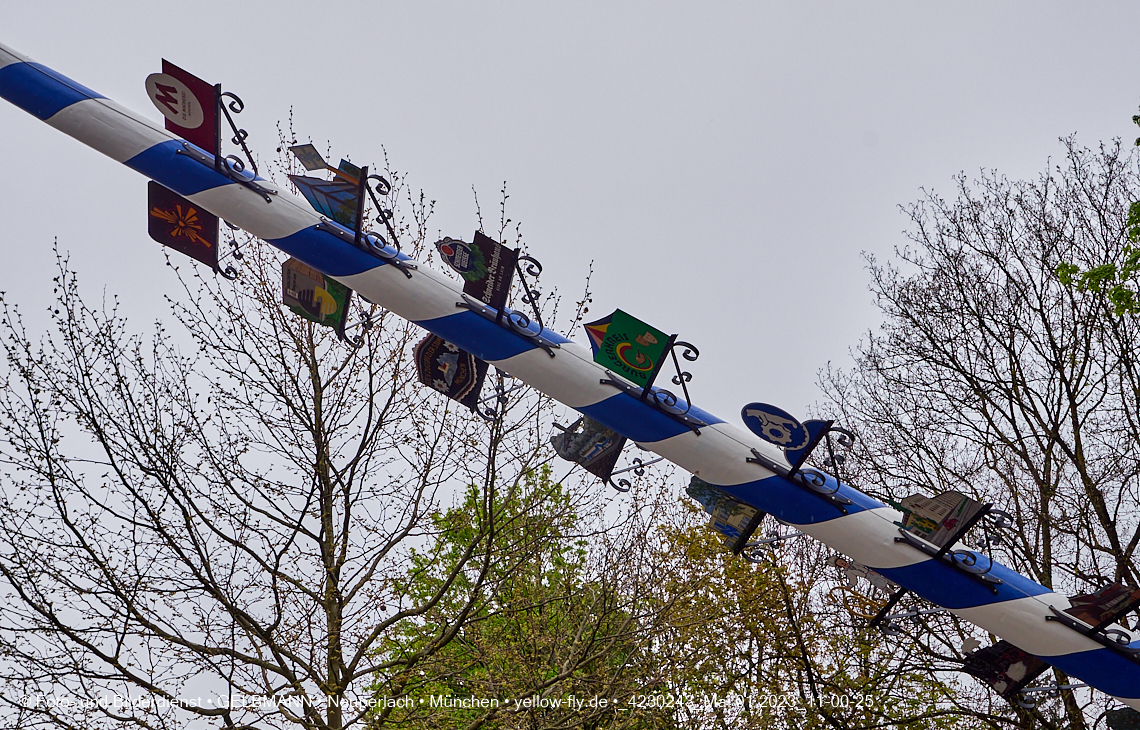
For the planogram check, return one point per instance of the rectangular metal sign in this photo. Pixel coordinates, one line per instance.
(174, 221)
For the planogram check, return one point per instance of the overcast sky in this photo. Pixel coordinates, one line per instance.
(723, 165)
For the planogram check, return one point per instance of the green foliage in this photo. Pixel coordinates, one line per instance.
(1111, 281)
(770, 640)
(544, 626)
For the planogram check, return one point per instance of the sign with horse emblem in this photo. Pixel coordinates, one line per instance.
(775, 426)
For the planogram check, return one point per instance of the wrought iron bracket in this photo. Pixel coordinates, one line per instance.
(530, 296)
(809, 479)
(383, 187)
(751, 550)
(229, 271)
(237, 106)
(232, 167)
(746, 534)
(490, 407)
(963, 561)
(1117, 640)
(513, 320)
(881, 616)
(773, 536)
(682, 378)
(661, 399)
(1026, 700)
(368, 244)
(365, 324)
(638, 468)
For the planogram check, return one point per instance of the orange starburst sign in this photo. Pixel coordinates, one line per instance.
(176, 222)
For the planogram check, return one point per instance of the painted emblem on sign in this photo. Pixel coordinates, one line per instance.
(175, 100)
(454, 372)
(774, 425)
(312, 295)
(590, 444)
(466, 259)
(176, 222)
(182, 223)
(189, 104)
(627, 346)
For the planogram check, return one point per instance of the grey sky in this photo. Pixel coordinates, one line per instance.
(724, 166)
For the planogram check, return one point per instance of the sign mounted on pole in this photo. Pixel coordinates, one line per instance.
(628, 347)
(940, 520)
(183, 226)
(454, 372)
(1004, 667)
(338, 199)
(735, 521)
(189, 104)
(775, 425)
(591, 445)
(487, 267)
(314, 296)
(1104, 606)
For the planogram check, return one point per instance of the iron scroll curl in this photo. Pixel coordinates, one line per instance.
(530, 295)
(237, 106)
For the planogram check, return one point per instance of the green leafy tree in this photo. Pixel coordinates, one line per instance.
(557, 637)
(778, 639)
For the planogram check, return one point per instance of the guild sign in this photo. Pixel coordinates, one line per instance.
(464, 258)
(176, 102)
(312, 295)
(454, 372)
(189, 104)
(487, 267)
(775, 426)
(590, 444)
(182, 225)
(628, 347)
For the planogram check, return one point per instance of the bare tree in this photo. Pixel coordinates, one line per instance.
(213, 525)
(993, 377)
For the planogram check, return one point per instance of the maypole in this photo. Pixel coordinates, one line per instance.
(761, 467)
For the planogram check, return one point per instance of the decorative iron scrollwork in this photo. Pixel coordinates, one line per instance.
(369, 242)
(812, 480)
(514, 320)
(752, 549)
(638, 468)
(365, 325)
(491, 407)
(237, 106)
(1025, 697)
(530, 296)
(383, 188)
(229, 272)
(682, 378)
(663, 400)
(227, 167)
(888, 622)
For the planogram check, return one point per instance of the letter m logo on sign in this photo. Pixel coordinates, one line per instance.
(167, 96)
(189, 104)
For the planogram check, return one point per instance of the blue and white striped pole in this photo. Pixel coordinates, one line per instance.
(718, 454)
